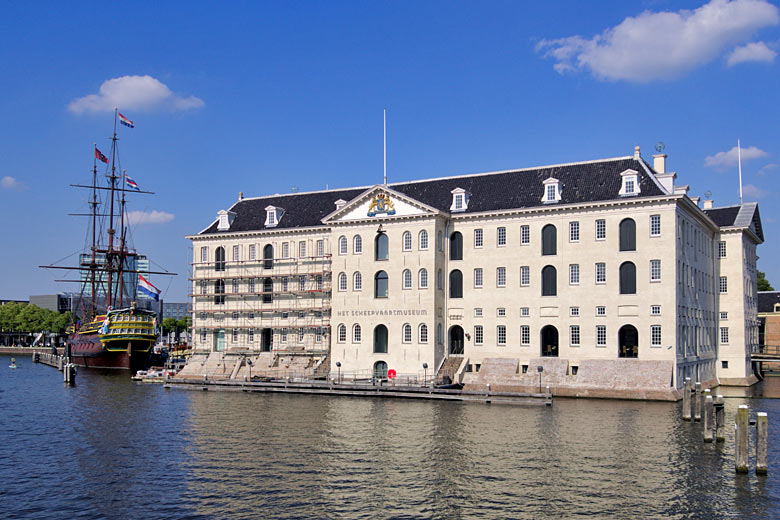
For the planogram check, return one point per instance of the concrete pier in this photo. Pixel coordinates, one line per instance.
(762, 443)
(709, 418)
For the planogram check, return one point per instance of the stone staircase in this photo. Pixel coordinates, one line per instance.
(449, 368)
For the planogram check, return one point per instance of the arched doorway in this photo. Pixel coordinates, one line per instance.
(380, 340)
(380, 370)
(549, 341)
(628, 342)
(266, 340)
(456, 340)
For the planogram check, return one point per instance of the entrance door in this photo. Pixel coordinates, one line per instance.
(266, 340)
(219, 340)
(380, 370)
(549, 341)
(456, 340)
(628, 341)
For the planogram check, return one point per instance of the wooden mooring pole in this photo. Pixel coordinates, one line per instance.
(762, 440)
(686, 406)
(697, 403)
(709, 418)
(741, 440)
(720, 419)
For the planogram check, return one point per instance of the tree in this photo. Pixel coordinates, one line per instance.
(763, 283)
(169, 325)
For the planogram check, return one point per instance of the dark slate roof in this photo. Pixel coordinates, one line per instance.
(745, 215)
(580, 183)
(723, 216)
(767, 300)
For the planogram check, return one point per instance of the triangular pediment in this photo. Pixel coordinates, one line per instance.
(379, 202)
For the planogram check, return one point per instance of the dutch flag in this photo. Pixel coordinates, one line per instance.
(125, 121)
(147, 289)
(131, 183)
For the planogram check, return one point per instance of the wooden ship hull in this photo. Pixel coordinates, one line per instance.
(123, 339)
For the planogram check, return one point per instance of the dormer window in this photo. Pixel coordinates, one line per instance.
(460, 200)
(552, 191)
(630, 184)
(225, 220)
(273, 215)
(340, 204)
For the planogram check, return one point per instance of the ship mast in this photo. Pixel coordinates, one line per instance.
(93, 203)
(110, 251)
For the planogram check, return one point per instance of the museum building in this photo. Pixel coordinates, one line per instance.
(604, 273)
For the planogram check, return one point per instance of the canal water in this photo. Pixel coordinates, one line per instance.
(111, 448)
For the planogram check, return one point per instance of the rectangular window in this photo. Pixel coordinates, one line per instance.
(478, 335)
(478, 277)
(525, 276)
(724, 335)
(574, 274)
(601, 229)
(458, 201)
(574, 231)
(203, 287)
(550, 192)
(318, 334)
(724, 315)
(525, 335)
(525, 235)
(235, 253)
(285, 284)
(301, 334)
(574, 335)
(655, 310)
(251, 315)
(655, 335)
(655, 270)
(302, 283)
(525, 312)
(724, 285)
(601, 272)
(302, 249)
(501, 335)
(655, 225)
(285, 250)
(320, 248)
(721, 249)
(234, 338)
(574, 311)
(235, 315)
(501, 277)
(477, 312)
(477, 238)
(235, 286)
(501, 237)
(251, 335)
(601, 310)
(501, 312)
(629, 186)
(204, 254)
(601, 335)
(251, 251)
(203, 335)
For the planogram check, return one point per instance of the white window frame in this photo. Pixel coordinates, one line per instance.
(724, 336)
(406, 276)
(574, 335)
(407, 240)
(479, 238)
(601, 229)
(501, 236)
(655, 270)
(574, 312)
(601, 311)
(722, 249)
(525, 235)
(477, 312)
(357, 281)
(525, 335)
(357, 333)
(525, 312)
(500, 276)
(601, 335)
(655, 310)
(252, 252)
(422, 239)
(655, 336)
(204, 254)
(574, 231)
(357, 245)
(406, 333)
(422, 278)
(552, 191)
(422, 333)
(723, 285)
(525, 276)
(342, 282)
(478, 278)
(501, 335)
(574, 274)
(601, 273)
(479, 335)
(341, 333)
(343, 248)
(655, 225)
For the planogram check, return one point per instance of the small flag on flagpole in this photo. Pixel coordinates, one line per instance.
(125, 121)
(147, 289)
(131, 183)
(100, 157)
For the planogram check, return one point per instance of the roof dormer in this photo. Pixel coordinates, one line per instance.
(273, 215)
(225, 219)
(460, 200)
(629, 186)
(552, 190)
(340, 204)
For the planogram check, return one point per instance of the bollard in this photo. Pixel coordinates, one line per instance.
(741, 440)
(59, 363)
(720, 419)
(762, 441)
(697, 403)
(709, 418)
(704, 393)
(686, 407)
(548, 397)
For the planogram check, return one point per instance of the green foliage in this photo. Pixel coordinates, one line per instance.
(169, 325)
(763, 283)
(184, 324)
(24, 317)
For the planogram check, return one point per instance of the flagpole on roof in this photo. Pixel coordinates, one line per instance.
(739, 160)
(384, 136)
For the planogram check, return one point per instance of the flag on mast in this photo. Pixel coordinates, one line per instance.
(125, 121)
(147, 289)
(131, 183)
(100, 157)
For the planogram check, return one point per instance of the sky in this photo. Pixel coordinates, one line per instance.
(267, 97)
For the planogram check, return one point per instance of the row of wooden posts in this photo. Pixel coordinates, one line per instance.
(698, 405)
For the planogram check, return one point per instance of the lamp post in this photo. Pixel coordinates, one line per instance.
(540, 369)
(338, 365)
(425, 376)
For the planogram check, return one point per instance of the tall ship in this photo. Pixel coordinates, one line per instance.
(116, 321)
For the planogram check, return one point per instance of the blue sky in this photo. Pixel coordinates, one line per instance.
(261, 97)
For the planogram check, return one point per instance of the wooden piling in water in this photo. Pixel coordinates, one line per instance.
(720, 419)
(762, 443)
(741, 440)
(686, 406)
(709, 418)
(697, 403)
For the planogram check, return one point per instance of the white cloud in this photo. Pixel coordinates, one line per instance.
(753, 192)
(755, 51)
(662, 46)
(725, 160)
(11, 183)
(766, 169)
(133, 93)
(149, 217)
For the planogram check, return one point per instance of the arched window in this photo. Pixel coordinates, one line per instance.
(627, 278)
(342, 245)
(268, 257)
(456, 284)
(342, 333)
(357, 244)
(381, 247)
(268, 288)
(357, 281)
(628, 342)
(407, 279)
(549, 281)
(423, 282)
(407, 240)
(439, 280)
(627, 235)
(407, 333)
(423, 240)
(219, 259)
(356, 333)
(219, 292)
(380, 284)
(549, 240)
(423, 333)
(380, 339)
(456, 246)
(342, 281)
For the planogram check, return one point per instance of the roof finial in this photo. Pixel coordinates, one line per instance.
(636, 152)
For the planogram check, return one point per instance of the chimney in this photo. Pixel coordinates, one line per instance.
(659, 163)
(636, 152)
(708, 204)
(240, 195)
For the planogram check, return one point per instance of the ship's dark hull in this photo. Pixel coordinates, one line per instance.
(86, 350)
